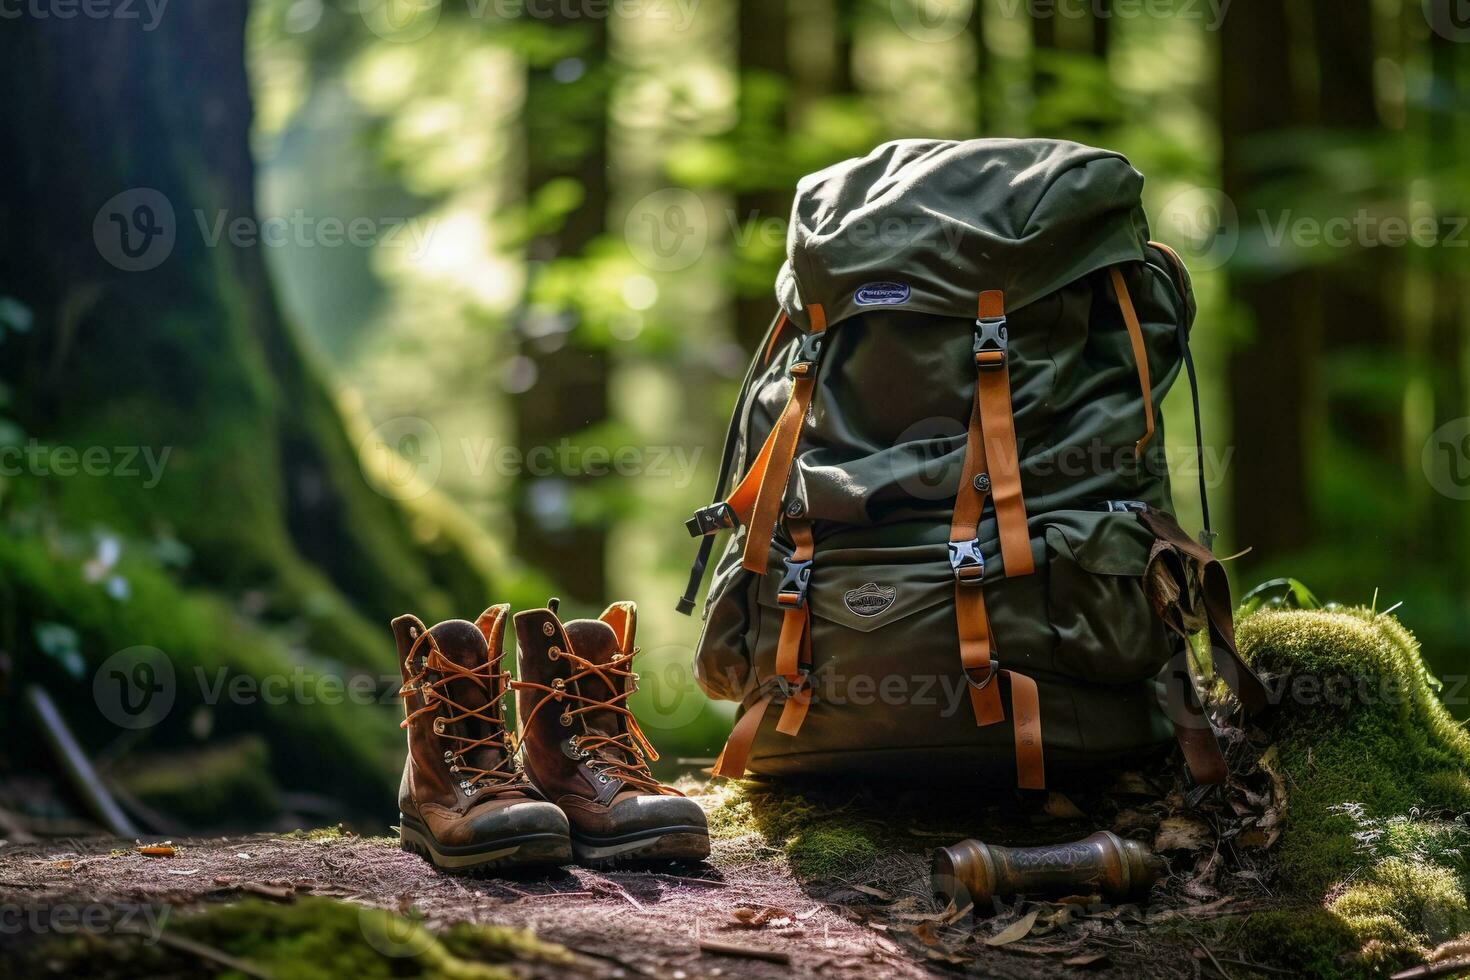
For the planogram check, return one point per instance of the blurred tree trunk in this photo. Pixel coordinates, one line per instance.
(1445, 537)
(126, 153)
(1270, 370)
(764, 73)
(1355, 292)
(565, 118)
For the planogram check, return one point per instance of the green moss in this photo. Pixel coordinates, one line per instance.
(309, 939)
(1310, 941)
(1374, 768)
(207, 642)
(230, 778)
(820, 837)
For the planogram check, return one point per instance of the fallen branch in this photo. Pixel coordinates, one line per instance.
(748, 952)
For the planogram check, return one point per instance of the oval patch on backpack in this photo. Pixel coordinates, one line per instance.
(869, 600)
(881, 294)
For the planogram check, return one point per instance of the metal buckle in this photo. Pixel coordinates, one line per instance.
(791, 593)
(807, 355)
(1126, 506)
(992, 340)
(994, 669)
(788, 689)
(711, 520)
(966, 561)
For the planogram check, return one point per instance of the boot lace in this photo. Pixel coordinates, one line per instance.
(488, 675)
(624, 756)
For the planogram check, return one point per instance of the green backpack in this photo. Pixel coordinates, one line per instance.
(953, 545)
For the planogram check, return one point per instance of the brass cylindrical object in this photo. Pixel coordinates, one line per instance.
(972, 872)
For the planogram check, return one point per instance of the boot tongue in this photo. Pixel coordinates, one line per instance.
(462, 643)
(595, 642)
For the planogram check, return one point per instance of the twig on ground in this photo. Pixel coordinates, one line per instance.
(608, 958)
(203, 952)
(1443, 968)
(1211, 955)
(748, 952)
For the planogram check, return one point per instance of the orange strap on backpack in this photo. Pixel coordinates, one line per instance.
(990, 458)
(1140, 355)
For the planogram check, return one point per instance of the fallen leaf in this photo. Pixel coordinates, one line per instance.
(1019, 929)
(1183, 834)
(1059, 806)
(1131, 784)
(157, 851)
(1083, 900)
(757, 918)
(1085, 959)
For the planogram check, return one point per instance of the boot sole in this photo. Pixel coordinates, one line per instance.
(526, 850)
(661, 844)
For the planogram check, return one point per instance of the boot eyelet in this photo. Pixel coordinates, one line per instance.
(566, 720)
(602, 778)
(438, 726)
(548, 629)
(554, 653)
(454, 768)
(558, 684)
(448, 755)
(470, 792)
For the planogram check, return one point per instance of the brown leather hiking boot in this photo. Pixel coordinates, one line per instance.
(582, 747)
(463, 804)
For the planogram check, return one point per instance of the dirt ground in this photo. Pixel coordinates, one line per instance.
(878, 920)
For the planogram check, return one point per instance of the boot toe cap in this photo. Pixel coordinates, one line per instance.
(657, 813)
(517, 820)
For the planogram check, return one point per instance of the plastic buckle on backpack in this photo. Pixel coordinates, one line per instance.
(966, 561)
(791, 593)
(992, 340)
(711, 520)
(808, 355)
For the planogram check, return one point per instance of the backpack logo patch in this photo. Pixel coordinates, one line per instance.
(869, 600)
(881, 294)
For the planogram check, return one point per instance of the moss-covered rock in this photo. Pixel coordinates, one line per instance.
(1376, 771)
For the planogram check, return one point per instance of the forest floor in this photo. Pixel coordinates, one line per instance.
(787, 898)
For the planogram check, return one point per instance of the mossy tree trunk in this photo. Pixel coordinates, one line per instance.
(124, 145)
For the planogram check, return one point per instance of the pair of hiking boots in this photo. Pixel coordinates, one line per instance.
(582, 791)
